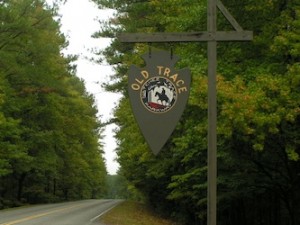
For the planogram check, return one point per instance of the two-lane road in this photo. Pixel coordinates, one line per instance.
(84, 212)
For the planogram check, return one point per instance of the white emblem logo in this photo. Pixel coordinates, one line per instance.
(158, 94)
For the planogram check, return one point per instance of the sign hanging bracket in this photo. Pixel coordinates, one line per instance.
(228, 16)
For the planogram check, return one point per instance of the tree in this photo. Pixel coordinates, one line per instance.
(258, 108)
(50, 133)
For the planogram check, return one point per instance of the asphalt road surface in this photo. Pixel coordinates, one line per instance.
(85, 212)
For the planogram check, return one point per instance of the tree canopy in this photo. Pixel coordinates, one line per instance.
(50, 146)
(258, 112)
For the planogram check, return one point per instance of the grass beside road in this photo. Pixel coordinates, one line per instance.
(133, 213)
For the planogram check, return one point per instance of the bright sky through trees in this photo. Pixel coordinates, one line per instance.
(79, 21)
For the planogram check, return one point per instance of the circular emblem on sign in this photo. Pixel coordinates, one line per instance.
(158, 94)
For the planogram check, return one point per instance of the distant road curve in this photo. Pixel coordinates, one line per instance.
(84, 212)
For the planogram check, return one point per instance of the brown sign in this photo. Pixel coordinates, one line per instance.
(158, 94)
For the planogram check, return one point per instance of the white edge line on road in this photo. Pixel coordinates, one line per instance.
(101, 214)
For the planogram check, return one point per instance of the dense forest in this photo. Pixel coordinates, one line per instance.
(258, 86)
(49, 143)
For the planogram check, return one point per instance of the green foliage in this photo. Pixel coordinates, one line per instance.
(118, 188)
(49, 145)
(258, 113)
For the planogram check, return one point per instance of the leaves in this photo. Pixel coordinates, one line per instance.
(49, 145)
(258, 113)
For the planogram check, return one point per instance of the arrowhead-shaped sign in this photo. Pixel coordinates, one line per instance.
(158, 94)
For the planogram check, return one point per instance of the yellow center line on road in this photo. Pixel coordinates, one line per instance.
(39, 215)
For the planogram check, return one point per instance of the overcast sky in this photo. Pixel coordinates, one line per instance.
(79, 22)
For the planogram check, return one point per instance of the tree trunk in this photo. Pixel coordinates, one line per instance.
(20, 186)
